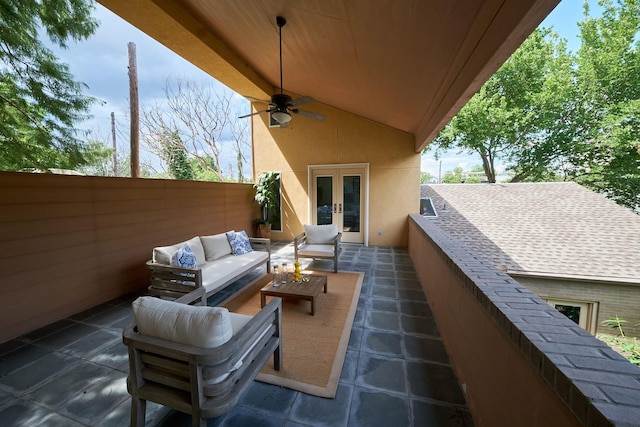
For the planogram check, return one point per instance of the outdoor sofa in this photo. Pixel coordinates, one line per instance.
(204, 265)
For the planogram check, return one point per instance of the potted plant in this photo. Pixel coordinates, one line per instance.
(267, 195)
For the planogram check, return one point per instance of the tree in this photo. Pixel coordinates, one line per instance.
(39, 99)
(606, 156)
(453, 177)
(99, 159)
(176, 157)
(506, 117)
(205, 121)
(425, 177)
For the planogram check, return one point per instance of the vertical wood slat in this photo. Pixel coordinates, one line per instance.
(68, 243)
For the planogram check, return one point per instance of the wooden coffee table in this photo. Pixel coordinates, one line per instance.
(303, 290)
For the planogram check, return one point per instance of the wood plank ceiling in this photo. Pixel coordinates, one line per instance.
(408, 64)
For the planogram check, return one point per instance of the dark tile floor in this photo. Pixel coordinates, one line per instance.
(396, 372)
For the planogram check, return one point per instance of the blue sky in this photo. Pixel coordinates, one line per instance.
(101, 63)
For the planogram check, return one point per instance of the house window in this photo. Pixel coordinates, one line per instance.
(584, 313)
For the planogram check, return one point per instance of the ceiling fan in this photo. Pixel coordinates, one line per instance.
(281, 105)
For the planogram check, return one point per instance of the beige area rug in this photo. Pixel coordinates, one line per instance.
(314, 347)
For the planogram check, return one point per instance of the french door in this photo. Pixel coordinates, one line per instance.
(338, 197)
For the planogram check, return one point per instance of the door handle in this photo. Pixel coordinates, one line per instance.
(335, 209)
(340, 208)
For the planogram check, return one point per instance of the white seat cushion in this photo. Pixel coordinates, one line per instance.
(316, 250)
(218, 272)
(320, 233)
(200, 326)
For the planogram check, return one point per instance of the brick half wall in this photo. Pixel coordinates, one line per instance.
(68, 243)
(520, 361)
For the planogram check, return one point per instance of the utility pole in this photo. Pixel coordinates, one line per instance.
(113, 136)
(133, 107)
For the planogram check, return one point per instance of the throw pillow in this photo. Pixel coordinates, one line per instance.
(215, 246)
(184, 257)
(239, 242)
(186, 324)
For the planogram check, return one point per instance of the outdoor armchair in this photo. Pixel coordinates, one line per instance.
(319, 241)
(194, 359)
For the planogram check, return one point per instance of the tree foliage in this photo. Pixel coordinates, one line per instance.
(176, 157)
(551, 114)
(39, 99)
(425, 177)
(607, 157)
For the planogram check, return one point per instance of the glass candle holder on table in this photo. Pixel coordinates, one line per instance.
(284, 273)
(276, 276)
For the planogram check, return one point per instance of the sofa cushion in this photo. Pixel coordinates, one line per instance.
(163, 254)
(239, 242)
(320, 234)
(184, 257)
(196, 246)
(216, 274)
(186, 324)
(215, 246)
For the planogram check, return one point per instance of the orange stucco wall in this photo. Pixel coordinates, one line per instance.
(343, 138)
(501, 387)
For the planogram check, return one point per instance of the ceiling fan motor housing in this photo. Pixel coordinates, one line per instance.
(281, 100)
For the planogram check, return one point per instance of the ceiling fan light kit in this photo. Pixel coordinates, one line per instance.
(281, 116)
(281, 106)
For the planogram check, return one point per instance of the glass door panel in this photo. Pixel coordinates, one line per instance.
(351, 204)
(324, 200)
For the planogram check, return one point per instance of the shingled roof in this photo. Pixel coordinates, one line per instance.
(558, 229)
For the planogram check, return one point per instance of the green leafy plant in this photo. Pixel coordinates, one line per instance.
(267, 195)
(615, 323)
(629, 347)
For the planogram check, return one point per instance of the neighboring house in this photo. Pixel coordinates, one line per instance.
(574, 248)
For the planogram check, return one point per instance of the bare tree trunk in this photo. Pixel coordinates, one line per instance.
(135, 116)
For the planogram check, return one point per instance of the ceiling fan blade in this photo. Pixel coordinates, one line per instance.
(308, 114)
(301, 100)
(253, 114)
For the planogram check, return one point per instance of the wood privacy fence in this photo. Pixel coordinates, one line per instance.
(68, 243)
